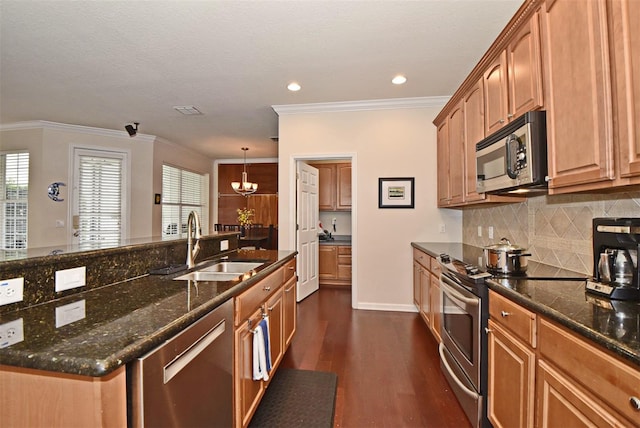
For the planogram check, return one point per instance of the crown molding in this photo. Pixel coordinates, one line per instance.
(387, 104)
(65, 127)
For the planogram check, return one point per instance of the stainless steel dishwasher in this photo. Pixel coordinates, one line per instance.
(187, 381)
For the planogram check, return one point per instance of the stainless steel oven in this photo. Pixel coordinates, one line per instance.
(463, 346)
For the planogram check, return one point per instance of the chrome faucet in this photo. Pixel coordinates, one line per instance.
(193, 222)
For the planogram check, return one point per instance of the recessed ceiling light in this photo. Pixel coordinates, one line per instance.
(188, 110)
(293, 86)
(399, 79)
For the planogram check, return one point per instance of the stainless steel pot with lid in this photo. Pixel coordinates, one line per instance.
(505, 258)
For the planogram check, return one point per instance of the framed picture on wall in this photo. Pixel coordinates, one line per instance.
(397, 192)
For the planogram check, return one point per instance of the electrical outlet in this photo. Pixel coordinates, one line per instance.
(490, 230)
(11, 290)
(70, 278)
(443, 228)
(11, 333)
(224, 245)
(480, 231)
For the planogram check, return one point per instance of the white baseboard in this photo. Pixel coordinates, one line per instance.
(386, 307)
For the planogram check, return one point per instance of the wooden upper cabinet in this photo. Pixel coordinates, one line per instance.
(334, 181)
(456, 155)
(578, 93)
(495, 94)
(327, 184)
(343, 178)
(474, 133)
(443, 164)
(524, 72)
(625, 53)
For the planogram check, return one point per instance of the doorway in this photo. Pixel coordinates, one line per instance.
(337, 262)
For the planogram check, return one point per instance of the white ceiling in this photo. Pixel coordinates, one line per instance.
(109, 63)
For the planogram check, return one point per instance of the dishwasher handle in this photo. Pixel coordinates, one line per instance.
(181, 361)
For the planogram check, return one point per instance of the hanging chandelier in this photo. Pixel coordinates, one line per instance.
(245, 187)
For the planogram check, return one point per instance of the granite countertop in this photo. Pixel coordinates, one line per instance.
(122, 321)
(337, 240)
(612, 324)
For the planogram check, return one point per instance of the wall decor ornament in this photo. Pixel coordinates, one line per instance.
(396, 192)
(53, 191)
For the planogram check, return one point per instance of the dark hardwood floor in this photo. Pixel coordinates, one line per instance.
(387, 364)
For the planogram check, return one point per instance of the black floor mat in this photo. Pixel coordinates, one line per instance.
(297, 398)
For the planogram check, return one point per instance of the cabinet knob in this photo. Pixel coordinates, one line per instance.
(291, 268)
(504, 314)
(510, 115)
(487, 330)
(635, 403)
(502, 120)
(270, 309)
(267, 288)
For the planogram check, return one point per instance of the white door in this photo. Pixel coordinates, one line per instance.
(99, 198)
(307, 213)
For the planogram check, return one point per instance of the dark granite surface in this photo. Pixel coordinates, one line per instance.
(124, 320)
(612, 324)
(337, 240)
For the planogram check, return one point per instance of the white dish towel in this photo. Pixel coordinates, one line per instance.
(260, 371)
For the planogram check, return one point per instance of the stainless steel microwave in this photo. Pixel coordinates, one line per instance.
(515, 157)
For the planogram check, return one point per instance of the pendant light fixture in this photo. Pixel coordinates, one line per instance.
(245, 187)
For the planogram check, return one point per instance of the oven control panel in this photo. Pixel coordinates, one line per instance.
(461, 268)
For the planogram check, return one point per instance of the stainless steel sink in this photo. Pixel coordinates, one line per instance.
(208, 276)
(223, 271)
(232, 267)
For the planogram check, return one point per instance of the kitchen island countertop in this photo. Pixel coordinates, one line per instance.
(95, 332)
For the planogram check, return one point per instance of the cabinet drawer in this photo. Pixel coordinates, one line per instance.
(422, 258)
(289, 269)
(606, 376)
(513, 317)
(247, 302)
(344, 250)
(435, 266)
(344, 272)
(344, 260)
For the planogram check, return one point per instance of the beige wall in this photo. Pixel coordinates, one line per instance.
(556, 229)
(381, 143)
(51, 147)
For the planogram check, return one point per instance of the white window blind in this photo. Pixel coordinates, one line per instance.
(14, 188)
(182, 192)
(100, 201)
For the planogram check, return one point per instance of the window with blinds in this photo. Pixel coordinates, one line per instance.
(14, 188)
(182, 192)
(100, 199)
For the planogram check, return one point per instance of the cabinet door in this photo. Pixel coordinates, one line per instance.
(626, 75)
(473, 134)
(511, 381)
(326, 186)
(495, 94)
(563, 403)
(327, 262)
(248, 391)
(290, 311)
(425, 301)
(443, 165)
(343, 178)
(525, 69)
(435, 306)
(456, 155)
(578, 97)
(275, 308)
(416, 285)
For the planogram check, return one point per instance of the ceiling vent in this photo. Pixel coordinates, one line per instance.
(188, 110)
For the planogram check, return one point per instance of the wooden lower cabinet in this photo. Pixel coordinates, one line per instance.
(274, 296)
(511, 371)
(426, 290)
(543, 374)
(334, 265)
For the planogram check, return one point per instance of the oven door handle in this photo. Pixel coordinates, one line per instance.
(463, 387)
(444, 283)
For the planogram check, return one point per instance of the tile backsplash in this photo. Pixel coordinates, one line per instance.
(555, 229)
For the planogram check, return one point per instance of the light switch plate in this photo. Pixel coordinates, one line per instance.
(224, 245)
(71, 278)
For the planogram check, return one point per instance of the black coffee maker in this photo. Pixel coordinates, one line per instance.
(616, 243)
